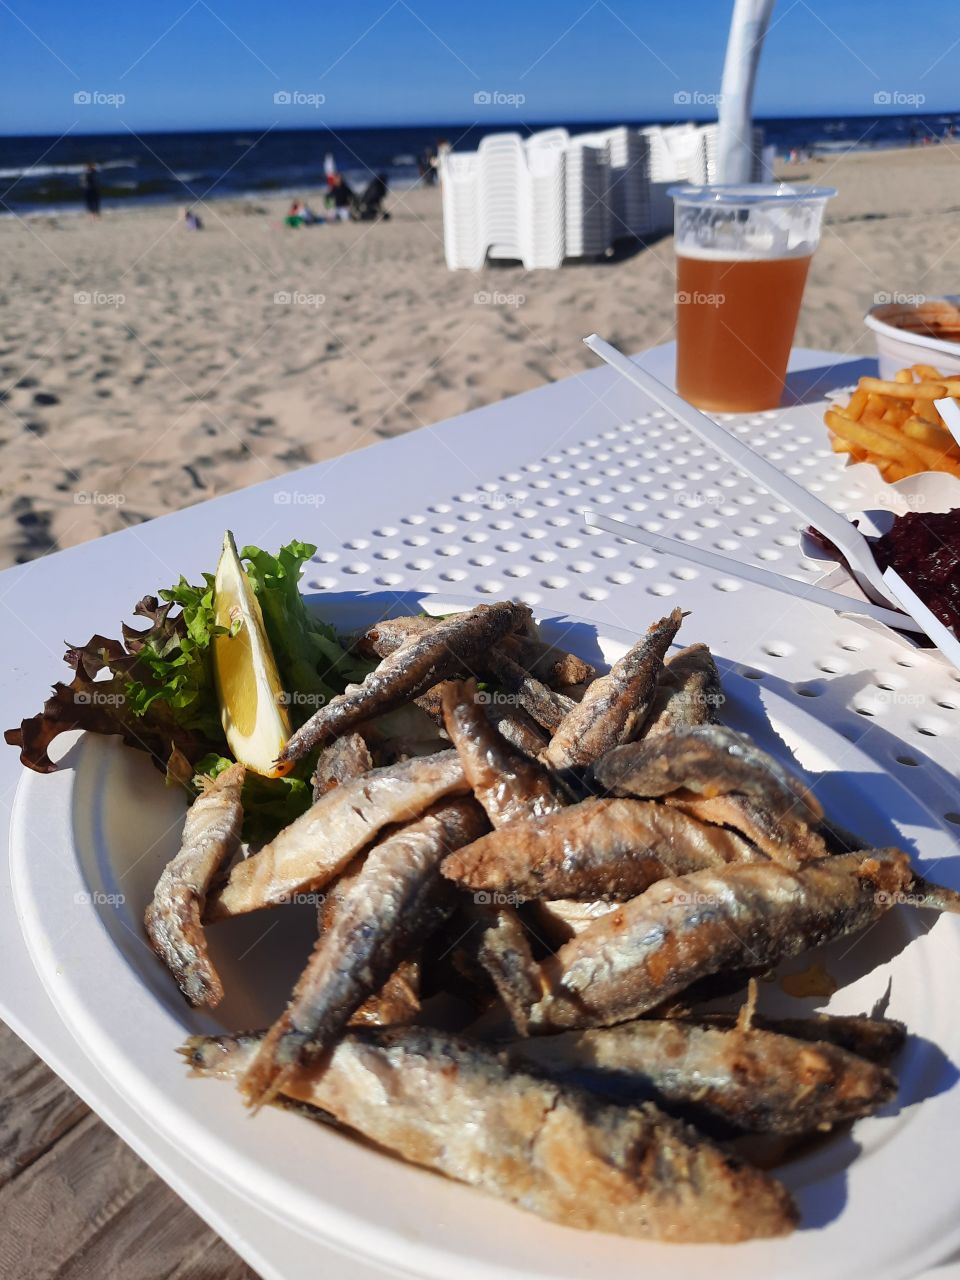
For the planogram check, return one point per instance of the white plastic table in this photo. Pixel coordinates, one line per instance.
(486, 505)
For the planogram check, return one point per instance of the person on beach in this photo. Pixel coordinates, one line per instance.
(91, 189)
(329, 168)
(294, 216)
(339, 198)
(192, 221)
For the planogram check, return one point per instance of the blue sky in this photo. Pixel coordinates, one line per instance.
(193, 64)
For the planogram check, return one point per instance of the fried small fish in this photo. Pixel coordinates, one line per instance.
(319, 844)
(424, 661)
(554, 666)
(396, 899)
(508, 784)
(453, 1105)
(705, 760)
(753, 1080)
(503, 949)
(688, 693)
(541, 703)
(561, 919)
(785, 836)
(599, 849)
(346, 758)
(877, 1039)
(211, 835)
(615, 706)
(689, 927)
(519, 729)
(397, 1001)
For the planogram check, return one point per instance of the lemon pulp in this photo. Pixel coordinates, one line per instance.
(252, 701)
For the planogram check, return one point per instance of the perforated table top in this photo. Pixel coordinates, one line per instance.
(490, 504)
(518, 531)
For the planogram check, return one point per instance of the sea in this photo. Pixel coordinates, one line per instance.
(42, 174)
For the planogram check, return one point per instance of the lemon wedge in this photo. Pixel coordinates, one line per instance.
(252, 701)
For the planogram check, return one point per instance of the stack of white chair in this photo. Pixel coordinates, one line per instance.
(553, 196)
(587, 218)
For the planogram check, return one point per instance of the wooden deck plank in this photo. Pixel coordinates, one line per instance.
(76, 1203)
(36, 1107)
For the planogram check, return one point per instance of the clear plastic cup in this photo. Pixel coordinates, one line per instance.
(743, 253)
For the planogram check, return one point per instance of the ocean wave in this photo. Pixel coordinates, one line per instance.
(47, 170)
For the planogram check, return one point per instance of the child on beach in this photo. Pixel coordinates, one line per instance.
(91, 190)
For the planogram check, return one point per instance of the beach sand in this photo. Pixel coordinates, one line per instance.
(144, 367)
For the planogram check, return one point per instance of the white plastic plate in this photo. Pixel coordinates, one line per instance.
(88, 842)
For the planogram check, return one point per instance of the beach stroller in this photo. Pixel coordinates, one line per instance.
(368, 207)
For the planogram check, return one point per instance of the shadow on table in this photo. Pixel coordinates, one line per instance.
(804, 386)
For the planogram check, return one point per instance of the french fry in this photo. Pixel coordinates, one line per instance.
(858, 402)
(908, 390)
(895, 424)
(872, 438)
(930, 433)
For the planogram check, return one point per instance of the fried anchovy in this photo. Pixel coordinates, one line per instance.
(786, 836)
(877, 1039)
(600, 849)
(319, 844)
(519, 729)
(555, 667)
(397, 1001)
(387, 635)
(615, 706)
(563, 918)
(454, 1106)
(688, 694)
(346, 758)
(211, 835)
(397, 898)
(706, 760)
(508, 785)
(542, 704)
(692, 926)
(503, 949)
(756, 1081)
(424, 661)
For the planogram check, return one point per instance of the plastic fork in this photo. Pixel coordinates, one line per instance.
(844, 535)
(752, 573)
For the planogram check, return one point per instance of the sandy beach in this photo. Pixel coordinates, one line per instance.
(144, 367)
